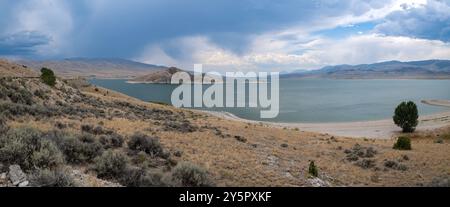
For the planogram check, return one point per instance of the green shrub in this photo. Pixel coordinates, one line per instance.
(403, 143)
(189, 175)
(111, 141)
(406, 116)
(21, 96)
(149, 145)
(25, 147)
(138, 177)
(110, 165)
(47, 156)
(3, 125)
(48, 77)
(312, 169)
(76, 151)
(51, 178)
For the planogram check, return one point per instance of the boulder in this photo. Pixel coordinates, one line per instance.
(16, 175)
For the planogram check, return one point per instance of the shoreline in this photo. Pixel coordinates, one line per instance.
(378, 129)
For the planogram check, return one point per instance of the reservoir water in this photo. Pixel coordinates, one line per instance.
(318, 101)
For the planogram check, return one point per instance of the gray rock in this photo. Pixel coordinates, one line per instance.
(24, 183)
(16, 175)
(317, 182)
(3, 176)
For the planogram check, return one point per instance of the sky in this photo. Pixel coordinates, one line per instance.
(243, 35)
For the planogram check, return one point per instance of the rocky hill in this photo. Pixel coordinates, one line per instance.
(161, 76)
(427, 69)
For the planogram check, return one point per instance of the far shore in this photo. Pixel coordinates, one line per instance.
(379, 129)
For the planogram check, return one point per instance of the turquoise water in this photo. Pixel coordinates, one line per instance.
(319, 100)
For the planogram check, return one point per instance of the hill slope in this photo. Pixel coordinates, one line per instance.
(100, 68)
(433, 69)
(160, 76)
(8, 69)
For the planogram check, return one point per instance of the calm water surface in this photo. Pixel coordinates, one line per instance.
(318, 100)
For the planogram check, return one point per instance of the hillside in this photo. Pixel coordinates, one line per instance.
(100, 68)
(8, 69)
(81, 135)
(428, 69)
(161, 76)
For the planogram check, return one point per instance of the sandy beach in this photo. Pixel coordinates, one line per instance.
(380, 129)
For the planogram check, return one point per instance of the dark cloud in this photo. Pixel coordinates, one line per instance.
(22, 43)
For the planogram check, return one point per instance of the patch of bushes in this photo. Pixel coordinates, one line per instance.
(98, 130)
(80, 150)
(113, 140)
(403, 143)
(138, 177)
(312, 169)
(110, 165)
(189, 175)
(41, 94)
(21, 96)
(48, 77)
(147, 144)
(47, 156)
(395, 165)
(358, 151)
(25, 147)
(51, 178)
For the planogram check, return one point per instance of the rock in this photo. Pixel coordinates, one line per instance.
(24, 183)
(317, 182)
(16, 175)
(3, 176)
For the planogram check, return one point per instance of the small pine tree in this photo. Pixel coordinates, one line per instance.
(406, 116)
(48, 77)
(312, 170)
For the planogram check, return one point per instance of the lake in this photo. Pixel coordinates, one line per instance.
(318, 101)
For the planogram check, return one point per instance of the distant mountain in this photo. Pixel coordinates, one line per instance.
(100, 68)
(427, 69)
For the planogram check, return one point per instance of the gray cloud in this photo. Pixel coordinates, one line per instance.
(431, 21)
(22, 43)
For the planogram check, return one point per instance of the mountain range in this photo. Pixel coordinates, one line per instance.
(426, 69)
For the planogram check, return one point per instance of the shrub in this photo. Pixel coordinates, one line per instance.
(403, 143)
(111, 141)
(138, 177)
(41, 94)
(312, 170)
(76, 151)
(47, 156)
(110, 165)
(189, 175)
(149, 145)
(48, 77)
(406, 116)
(21, 96)
(51, 178)
(3, 126)
(25, 147)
